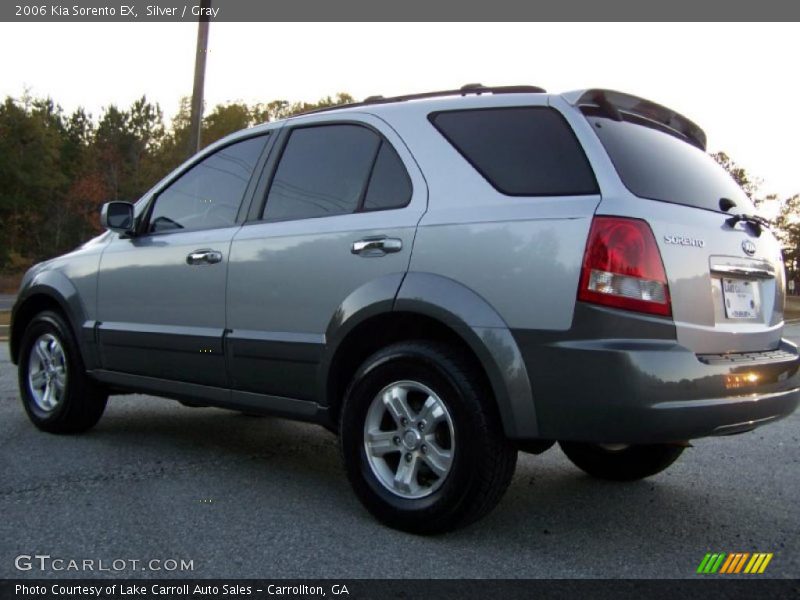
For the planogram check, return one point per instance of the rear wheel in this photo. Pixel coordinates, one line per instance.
(57, 394)
(421, 439)
(621, 462)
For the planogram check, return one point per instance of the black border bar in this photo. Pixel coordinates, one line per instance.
(65, 11)
(717, 587)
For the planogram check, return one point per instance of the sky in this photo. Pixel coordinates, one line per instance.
(739, 82)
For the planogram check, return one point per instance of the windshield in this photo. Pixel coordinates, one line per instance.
(659, 165)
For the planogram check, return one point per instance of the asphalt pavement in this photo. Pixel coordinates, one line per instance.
(262, 497)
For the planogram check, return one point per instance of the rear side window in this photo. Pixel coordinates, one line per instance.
(328, 170)
(521, 151)
(658, 165)
(389, 186)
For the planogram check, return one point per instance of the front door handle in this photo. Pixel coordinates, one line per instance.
(204, 257)
(376, 246)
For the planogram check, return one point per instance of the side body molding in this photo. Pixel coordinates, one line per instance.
(479, 325)
(56, 286)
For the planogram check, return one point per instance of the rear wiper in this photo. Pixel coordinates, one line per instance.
(756, 222)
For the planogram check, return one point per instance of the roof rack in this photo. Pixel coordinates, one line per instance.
(470, 88)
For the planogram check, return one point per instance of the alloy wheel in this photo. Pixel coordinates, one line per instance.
(47, 372)
(409, 439)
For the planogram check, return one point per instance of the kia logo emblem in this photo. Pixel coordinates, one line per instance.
(748, 247)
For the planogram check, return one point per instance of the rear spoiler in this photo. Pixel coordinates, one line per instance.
(613, 103)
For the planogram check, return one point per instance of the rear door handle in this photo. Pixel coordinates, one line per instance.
(204, 257)
(376, 246)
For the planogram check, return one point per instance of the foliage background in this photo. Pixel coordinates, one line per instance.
(57, 169)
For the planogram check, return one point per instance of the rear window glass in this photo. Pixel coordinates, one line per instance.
(521, 151)
(657, 165)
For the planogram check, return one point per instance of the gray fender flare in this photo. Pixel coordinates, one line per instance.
(373, 298)
(482, 328)
(56, 286)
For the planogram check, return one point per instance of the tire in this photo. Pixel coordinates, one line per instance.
(626, 463)
(429, 492)
(61, 398)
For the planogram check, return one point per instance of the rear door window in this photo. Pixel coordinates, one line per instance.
(521, 151)
(336, 169)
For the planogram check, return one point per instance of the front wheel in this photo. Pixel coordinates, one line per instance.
(621, 462)
(56, 392)
(421, 439)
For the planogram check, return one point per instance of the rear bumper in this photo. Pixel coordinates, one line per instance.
(654, 390)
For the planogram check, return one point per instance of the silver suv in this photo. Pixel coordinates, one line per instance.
(443, 279)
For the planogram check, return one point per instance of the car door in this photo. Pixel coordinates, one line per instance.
(161, 293)
(338, 210)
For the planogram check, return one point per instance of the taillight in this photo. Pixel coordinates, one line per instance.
(622, 267)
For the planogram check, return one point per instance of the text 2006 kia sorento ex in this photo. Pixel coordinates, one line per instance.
(443, 279)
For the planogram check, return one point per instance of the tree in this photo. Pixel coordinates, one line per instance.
(282, 109)
(747, 182)
(786, 225)
(31, 179)
(126, 141)
(173, 149)
(57, 169)
(223, 120)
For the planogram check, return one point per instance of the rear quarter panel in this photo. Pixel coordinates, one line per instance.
(522, 255)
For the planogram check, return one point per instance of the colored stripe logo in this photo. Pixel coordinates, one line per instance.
(733, 563)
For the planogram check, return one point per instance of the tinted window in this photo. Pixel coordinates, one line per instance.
(529, 151)
(389, 186)
(657, 165)
(209, 194)
(323, 171)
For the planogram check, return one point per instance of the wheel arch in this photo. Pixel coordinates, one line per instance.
(49, 290)
(428, 306)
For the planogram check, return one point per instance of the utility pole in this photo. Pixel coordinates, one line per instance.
(199, 77)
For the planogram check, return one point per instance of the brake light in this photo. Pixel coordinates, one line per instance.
(622, 267)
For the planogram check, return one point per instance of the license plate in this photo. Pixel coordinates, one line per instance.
(740, 299)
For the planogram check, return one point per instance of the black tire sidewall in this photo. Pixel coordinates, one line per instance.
(52, 323)
(413, 365)
(635, 462)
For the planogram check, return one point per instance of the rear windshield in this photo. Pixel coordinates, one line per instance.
(657, 165)
(521, 151)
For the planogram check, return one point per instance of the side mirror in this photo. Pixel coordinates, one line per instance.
(118, 217)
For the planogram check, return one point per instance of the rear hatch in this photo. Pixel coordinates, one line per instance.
(725, 275)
